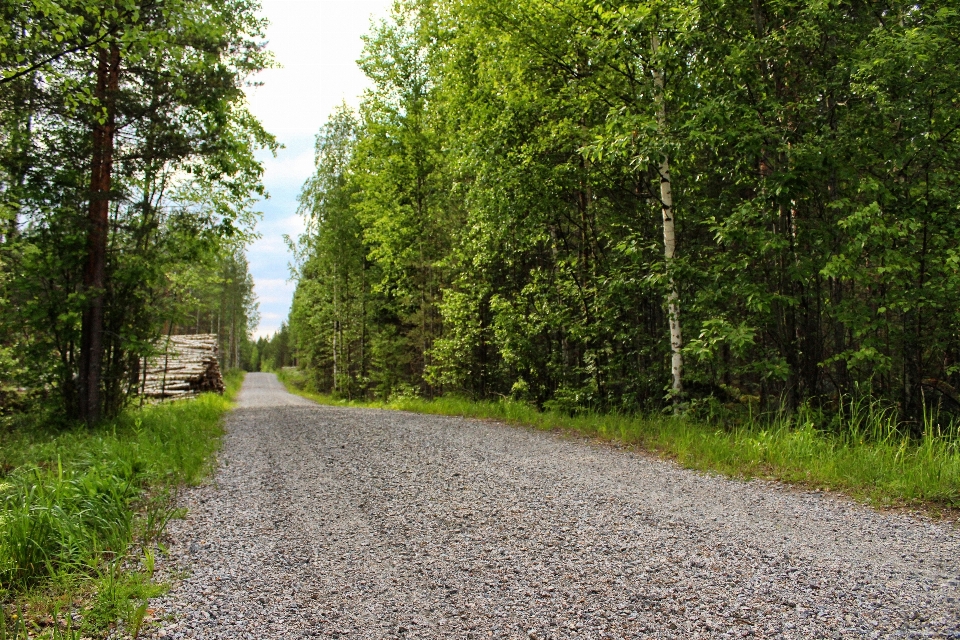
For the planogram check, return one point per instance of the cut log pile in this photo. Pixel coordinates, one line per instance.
(187, 367)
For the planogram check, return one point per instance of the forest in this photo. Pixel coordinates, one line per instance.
(702, 206)
(727, 233)
(127, 189)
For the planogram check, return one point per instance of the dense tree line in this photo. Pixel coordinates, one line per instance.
(622, 205)
(127, 178)
(216, 296)
(273, 353)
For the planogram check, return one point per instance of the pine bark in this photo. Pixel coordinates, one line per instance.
(95, 270)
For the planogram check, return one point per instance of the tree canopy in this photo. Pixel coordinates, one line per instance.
(492, 220)
(127, 184)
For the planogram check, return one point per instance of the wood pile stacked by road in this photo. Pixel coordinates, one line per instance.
(187, 366)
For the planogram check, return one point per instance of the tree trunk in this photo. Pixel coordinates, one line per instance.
(95, 271)
(363, 321)
(20, 143)
(669, 238)
(233, 333)
(336, 325)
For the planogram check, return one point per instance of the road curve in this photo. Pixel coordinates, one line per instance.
(356, 523)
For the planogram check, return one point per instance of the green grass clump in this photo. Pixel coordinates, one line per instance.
(861, 451)
(80, 508)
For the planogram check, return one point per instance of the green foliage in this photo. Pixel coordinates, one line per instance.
(489, 222)
(330, 312)
(271, 354)
(213, 293)
(81, 508)
(183, 182)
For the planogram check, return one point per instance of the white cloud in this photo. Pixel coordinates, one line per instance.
(270, 247)
(290, 168)
(266, 330)
(269, 324)
(273, 290)
(318, 43)
(270, 252)
(291, 225)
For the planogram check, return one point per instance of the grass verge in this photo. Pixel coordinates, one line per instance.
(81, 511)
(864, 454)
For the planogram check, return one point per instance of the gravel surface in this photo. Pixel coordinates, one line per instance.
(357, 523)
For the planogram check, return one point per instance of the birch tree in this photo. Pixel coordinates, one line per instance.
(669, 229)
(812, 150)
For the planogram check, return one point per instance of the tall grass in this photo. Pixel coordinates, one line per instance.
(860, 450)
(79, 508)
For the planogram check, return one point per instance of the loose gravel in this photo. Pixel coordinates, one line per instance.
(355, 523)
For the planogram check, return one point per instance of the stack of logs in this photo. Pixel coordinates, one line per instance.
(187, 366)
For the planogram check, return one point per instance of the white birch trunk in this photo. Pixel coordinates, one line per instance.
(669, 237)
(336, 325)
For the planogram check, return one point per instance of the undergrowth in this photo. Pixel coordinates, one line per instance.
(861, 451)
(81, 510)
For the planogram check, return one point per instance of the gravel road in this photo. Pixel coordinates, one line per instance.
(356, 523)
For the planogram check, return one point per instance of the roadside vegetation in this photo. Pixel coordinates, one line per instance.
(859, 450)
(83, 511)
(129, 179)
(128, 186)
(635, 207)
(734, 220)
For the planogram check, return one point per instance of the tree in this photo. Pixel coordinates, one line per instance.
(537, 185)
(329, 314)
(153, 92)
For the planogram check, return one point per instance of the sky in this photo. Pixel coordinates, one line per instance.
(317, 42)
